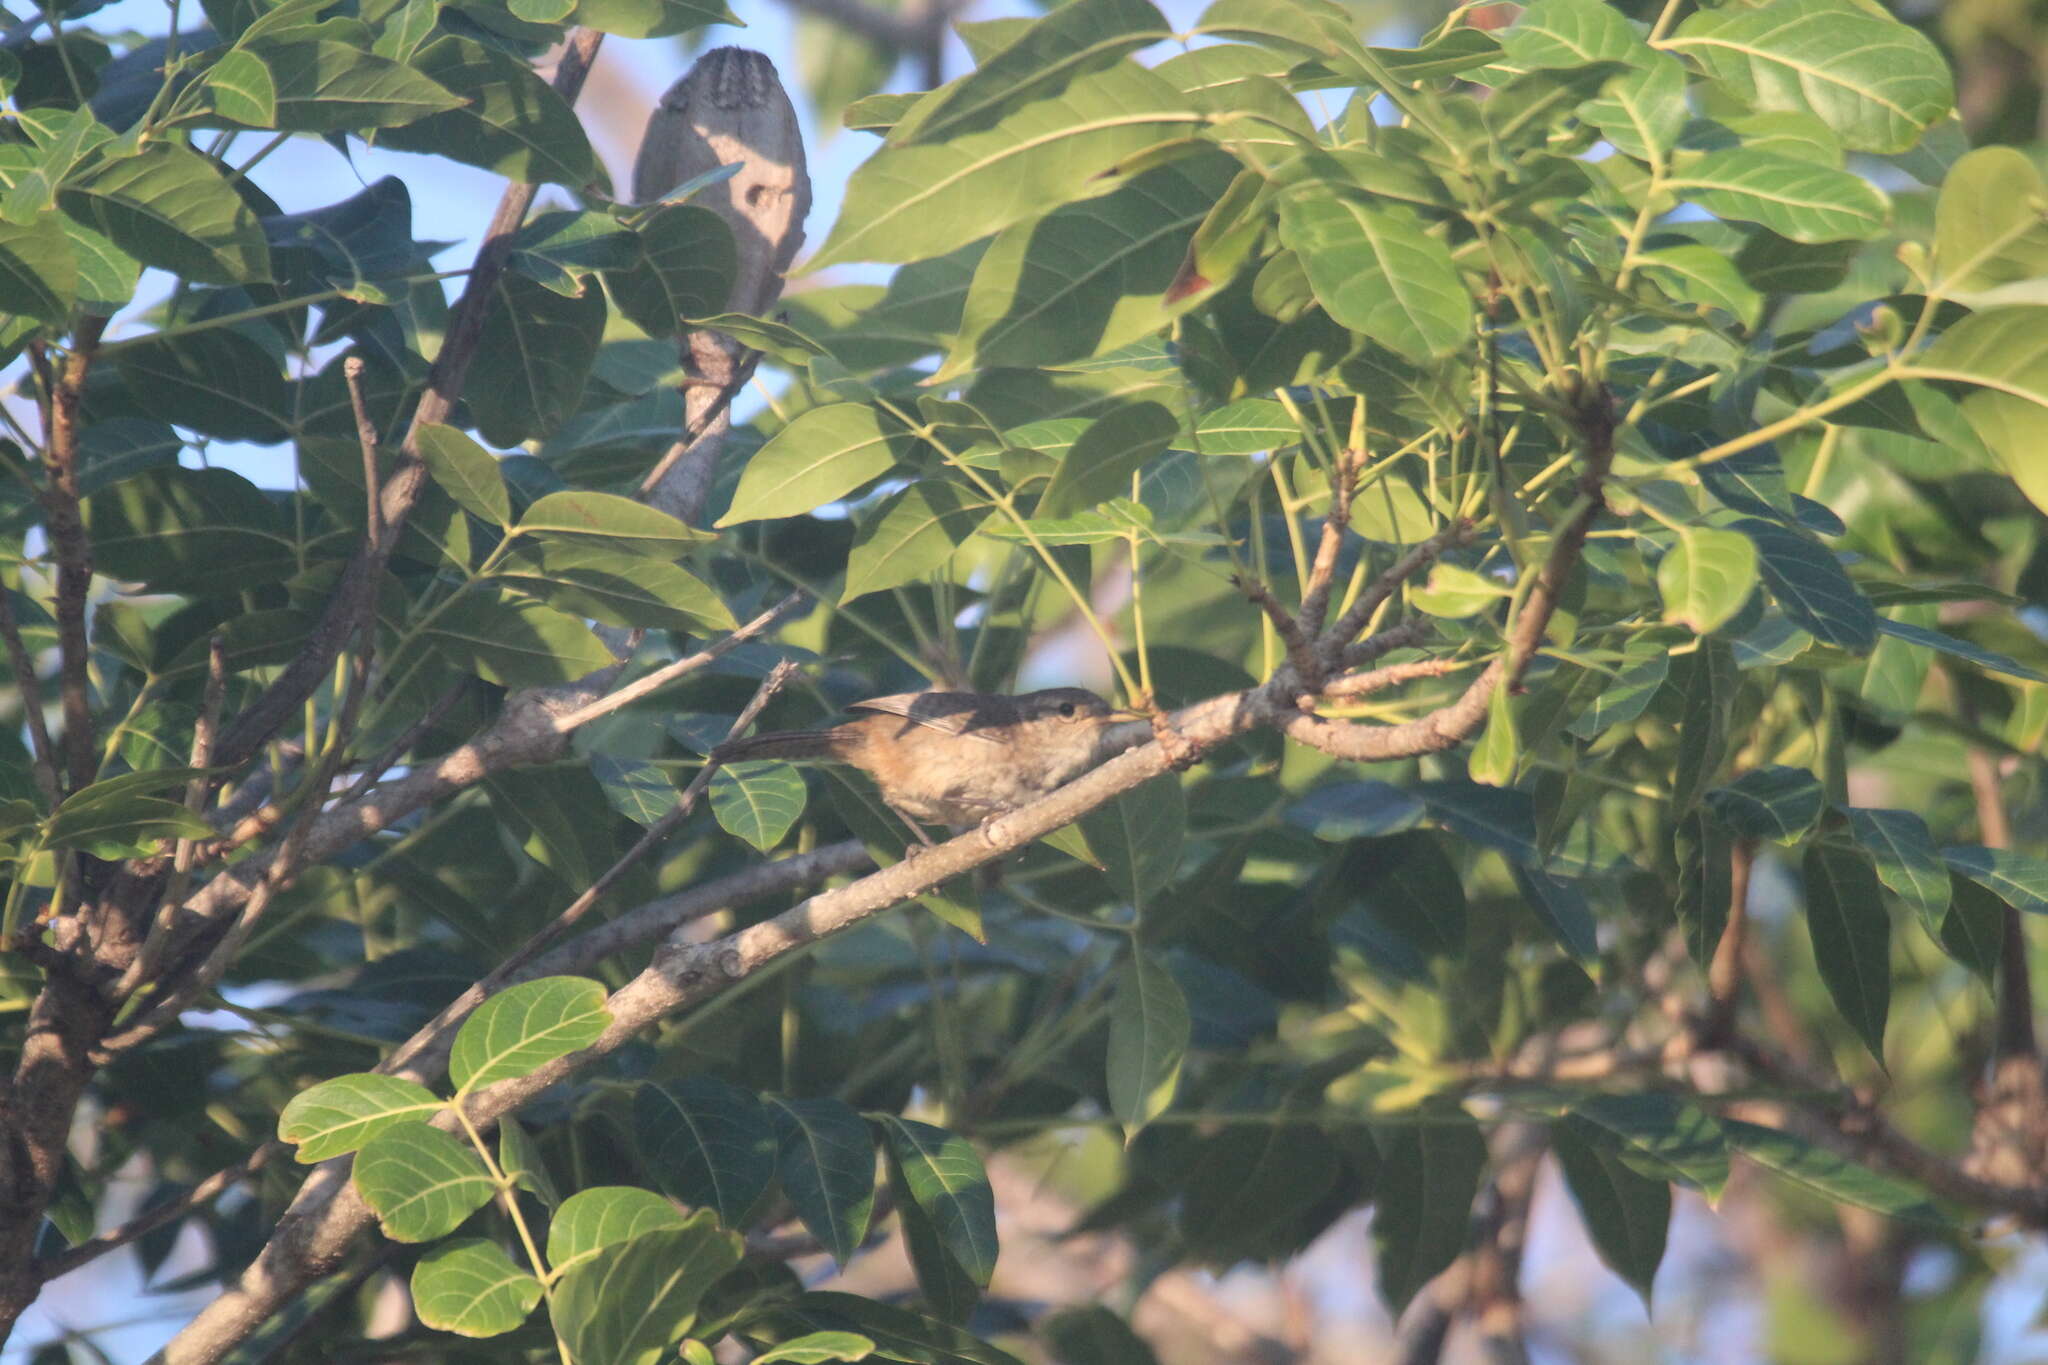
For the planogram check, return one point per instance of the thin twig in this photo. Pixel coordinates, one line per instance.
(170, 1211)
(1315, 594)
(366, 437)
(1299, 651)
(698, 430)
(1420, 556)
(668, 673)
(1393, 675)
(150, 957)
(778, 677)
(25, 683)
(576, 909)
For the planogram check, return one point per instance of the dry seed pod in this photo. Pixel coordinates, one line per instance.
(731, 107)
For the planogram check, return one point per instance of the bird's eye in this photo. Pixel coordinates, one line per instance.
(1067, 709)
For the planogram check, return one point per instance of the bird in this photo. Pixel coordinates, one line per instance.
(960, 758)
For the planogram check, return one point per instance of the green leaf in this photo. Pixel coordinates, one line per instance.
(1659, 1136)
(1831, 1177)
(1705, 883)
(628, 1302)
(1960, 649)
(1093, 1335)
(1626, 1214)
(1411, 888)
(767, 335)
(1376, 271)
(524, 1027)
(38, 271)
(1873, 80)
(879, 113)
(1088, 277)
(2004, 352)
(537, 346)
(1421, 1220)
(620, 587)
(706, 1143)
(1770, 802)
(826, 453)
(1137, 838)
(1795, 199)
(814, 1348)
(1708, 278)
(1562, 907)
(63, 140)
(1355, 810)
(1636, 683)
(609, 521)
(907, 203)
(1643, 110)
(944, 1175)
(1972, 929)
(909, 534)
(123, 826)
(1100, 463)
(1706, 577)
(220, 382)
(421, 1183)
(562, 248)
(1454, 593)
(2014, 878)
(640, 790)
(515, 641)
(513, 122)
(1852, 937)
(651, 18)
(757, 801)
(897, 1333)
(471, 1288)
(1988, 224)
(590, 1220)
(1811, 585)
(1498, 750)
(336, 1117)
(1902, 853)
(1247, 1190)
(521, 1161)
(168, 206)
(1251, 426)
(466, 472)
(321, 87)
(1148, 1038)
(1569, 33)
(684, 269)
(1073, 40)
(827, 1166)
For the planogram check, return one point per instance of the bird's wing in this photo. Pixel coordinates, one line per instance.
(955, 713)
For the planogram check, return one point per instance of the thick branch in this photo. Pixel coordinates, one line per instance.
(72, 549)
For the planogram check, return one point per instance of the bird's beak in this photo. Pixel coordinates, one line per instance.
(1126, 713)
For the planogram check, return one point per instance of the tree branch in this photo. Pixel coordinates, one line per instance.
(72, 548)
(355, 594)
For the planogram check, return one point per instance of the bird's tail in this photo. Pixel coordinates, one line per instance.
(790, 746)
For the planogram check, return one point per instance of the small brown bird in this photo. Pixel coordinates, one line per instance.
(960, 758)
